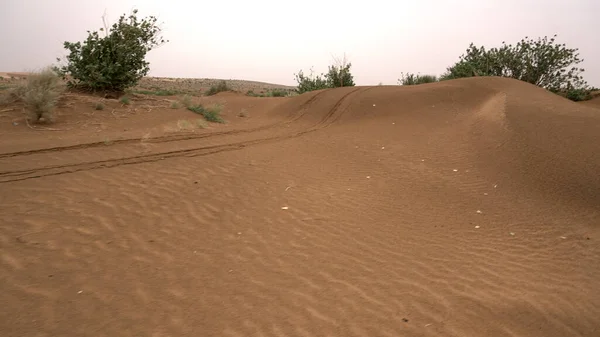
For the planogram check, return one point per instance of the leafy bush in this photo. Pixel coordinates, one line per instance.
(310, 83)
(541, 62)
(212, 114)
(414, 79)
(114, 62)
(579, 94)
(217, 88)
(40, 94)
(338, 75)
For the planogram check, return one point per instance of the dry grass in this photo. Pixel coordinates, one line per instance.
(40, 94)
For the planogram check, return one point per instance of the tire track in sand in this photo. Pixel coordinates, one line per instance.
(329, 118)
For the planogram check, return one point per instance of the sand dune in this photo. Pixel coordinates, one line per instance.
(461, 208)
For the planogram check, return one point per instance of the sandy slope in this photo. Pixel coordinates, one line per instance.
(462, 208)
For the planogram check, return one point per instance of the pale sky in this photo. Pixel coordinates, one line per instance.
(271, 40)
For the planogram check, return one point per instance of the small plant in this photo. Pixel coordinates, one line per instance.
(125, 100)
(175, 105)
(99, 106)
(243, 113)
(211, 114)
(40, 94)
(217, 88)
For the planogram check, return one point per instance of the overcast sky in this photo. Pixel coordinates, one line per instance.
(271, 40)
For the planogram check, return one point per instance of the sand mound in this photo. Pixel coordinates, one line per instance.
(461, 208)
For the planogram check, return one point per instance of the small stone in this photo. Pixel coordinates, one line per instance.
(239, 233)
(284, 207)
(563, 237)
(511, 233)
(80, 291)
(476, 227)
(455, 170)
(485, 194)
(479, 212)
(368, 177)
(383, 147)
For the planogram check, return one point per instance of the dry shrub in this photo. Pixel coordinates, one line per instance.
(40, 94)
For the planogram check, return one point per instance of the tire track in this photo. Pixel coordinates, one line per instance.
(301, 112)
(329, 118)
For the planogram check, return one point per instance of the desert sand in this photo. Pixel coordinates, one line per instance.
(462, 208)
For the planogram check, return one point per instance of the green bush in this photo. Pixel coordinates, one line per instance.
(337, 76)
(310, 83)
(414, 79)
(40, 94)
(579, 94)
(541, 62)
(217, 88)
(125, 100)
(211, 114)
(114, 62)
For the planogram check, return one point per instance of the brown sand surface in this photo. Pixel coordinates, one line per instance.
(462, 208)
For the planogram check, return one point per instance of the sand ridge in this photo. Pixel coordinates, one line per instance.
(461, 208)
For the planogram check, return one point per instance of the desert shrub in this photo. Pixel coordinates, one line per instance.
(99, 106)
(340, 76)
(337, 76)
(581, 94)
(217, 88)
(414, 79)
(40, 94)
(277, 93)
(211, 114)
(310, 83)
(542, 62)
(114, 62)
(186, 101)
(125, 100)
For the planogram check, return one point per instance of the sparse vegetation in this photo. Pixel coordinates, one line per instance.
(99, 106)
(541, 62)
(270, 93)
(414, 79)
(125, 100)
(175, 105)
(40, 94)
(217, 88)
(114, 62)
(211, 114)
(159, 92)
